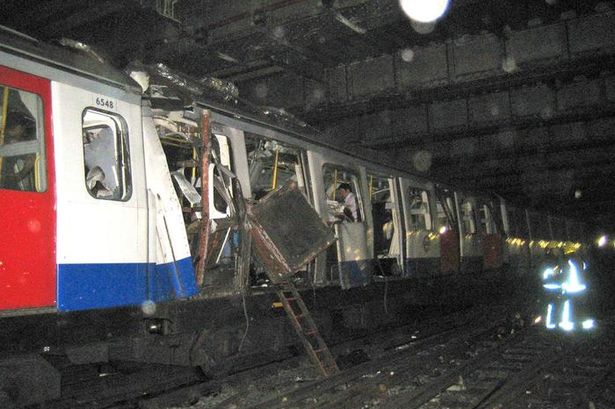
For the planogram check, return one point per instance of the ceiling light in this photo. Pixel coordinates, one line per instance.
(424, 11)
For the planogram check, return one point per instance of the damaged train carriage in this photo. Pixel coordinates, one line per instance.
(406, 226)
(135, 205)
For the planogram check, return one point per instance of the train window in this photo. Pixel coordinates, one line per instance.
(106, 156)
(271, 165)
(467, 217)
(487, 223)
(445, 209)
(343, 194)
(419, 209)
(386, 242)
(22, 147)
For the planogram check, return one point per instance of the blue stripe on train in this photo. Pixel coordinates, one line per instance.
(90, 286)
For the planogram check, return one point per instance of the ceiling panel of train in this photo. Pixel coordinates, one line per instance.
(516, 96)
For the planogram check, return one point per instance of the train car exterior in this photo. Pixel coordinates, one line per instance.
(122, 239)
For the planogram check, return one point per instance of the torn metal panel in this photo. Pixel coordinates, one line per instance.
(287, 232)
(189, 191)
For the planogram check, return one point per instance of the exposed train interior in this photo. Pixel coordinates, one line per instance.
(404, 227)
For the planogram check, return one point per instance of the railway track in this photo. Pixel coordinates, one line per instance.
(583, 377)
(159, 386)
(397, 363)
(93, 387)
(476, 370)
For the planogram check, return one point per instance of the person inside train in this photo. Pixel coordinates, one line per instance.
(18, 170)
(349, 200)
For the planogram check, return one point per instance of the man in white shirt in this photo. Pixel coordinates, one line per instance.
(350, 202)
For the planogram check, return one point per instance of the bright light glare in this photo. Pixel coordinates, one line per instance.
(424, 11)
(442, 230)
(573, 283)
(549, 320)
(588, 324)
(566, 324)
(602, 241)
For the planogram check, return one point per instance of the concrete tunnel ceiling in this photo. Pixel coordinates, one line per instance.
(514, 96)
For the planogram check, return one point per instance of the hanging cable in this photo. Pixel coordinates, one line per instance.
(247, 319)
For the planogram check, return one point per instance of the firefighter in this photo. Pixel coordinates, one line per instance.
(565, 289)
(552, 284)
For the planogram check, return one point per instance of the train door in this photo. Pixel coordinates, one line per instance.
(470, 243)
(272, 164)
(491, 239)
(448, 229)
(386, 226)
(350, 259)
(102, 209)
(422, 242)
(27, 193)
(218, 267)
(224, 256)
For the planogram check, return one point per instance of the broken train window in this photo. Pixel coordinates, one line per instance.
(106, 155)
(271, 165)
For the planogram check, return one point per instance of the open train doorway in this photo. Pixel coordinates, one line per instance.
(348, 261)
(272, 164)
(386, 226)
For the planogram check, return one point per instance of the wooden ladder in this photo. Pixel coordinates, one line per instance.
(306, 328)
